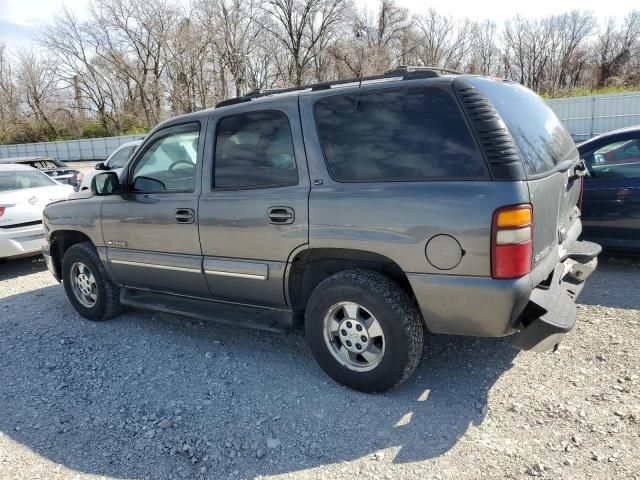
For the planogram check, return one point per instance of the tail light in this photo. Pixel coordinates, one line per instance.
(2, 211)
(512, 241)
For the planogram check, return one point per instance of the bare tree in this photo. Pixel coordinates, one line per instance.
(485, 50)
(9, 101)
(571, 31)
(234, 29)
(131, 36)
(616, 46)
(301, 26)
(36, 83)
(190, 73)
(445, 41)
(69, 41)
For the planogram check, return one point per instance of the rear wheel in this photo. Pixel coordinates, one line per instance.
(364, 330)
(87, 284)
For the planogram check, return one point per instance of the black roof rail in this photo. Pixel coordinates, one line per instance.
(405, 72)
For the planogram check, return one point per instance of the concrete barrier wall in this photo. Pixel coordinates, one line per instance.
(586, 117)
(69, 150)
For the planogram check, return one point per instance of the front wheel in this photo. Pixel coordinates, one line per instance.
(364, 330)
(87, 284)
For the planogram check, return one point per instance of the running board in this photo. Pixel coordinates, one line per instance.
(272, 320)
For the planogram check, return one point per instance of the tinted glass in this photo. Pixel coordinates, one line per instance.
(407, 134)
(169, 164)
(619, 159)
(119, 158)
(18, 180)
(254, 150)
(542, 139)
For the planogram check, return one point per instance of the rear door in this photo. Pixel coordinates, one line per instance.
(611, 206)
(253, 212)
(549, 156)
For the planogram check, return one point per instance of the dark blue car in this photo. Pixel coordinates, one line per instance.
(611, 202)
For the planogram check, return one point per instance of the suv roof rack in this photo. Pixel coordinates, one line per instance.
(404, 72)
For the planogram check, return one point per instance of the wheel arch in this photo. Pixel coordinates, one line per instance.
(60, 241)
(311, 266)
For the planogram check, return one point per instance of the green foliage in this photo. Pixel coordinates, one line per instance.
(585, 91)
(29, 132)
(95, 130)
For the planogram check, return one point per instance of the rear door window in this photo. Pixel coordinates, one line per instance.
(397, 134)
(254, 150)
(541, 138)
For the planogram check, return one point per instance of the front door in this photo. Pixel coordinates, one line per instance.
(151, 232)
(611, 208)
(253, 210)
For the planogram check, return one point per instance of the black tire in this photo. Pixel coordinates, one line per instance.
(107, 304)
(399, 319)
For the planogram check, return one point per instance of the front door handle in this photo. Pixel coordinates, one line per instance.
(185, 215)
(281, 215)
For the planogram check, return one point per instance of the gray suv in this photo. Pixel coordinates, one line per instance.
(368, 210)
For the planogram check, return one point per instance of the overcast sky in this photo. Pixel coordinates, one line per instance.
(20, 19)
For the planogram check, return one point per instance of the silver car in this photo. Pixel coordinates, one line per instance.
(24, 192)
(56, 169)
(115, 163)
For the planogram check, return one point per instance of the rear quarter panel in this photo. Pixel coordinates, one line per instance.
(398, 219)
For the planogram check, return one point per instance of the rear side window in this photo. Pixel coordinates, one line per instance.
(254, 150)
(403, 134)
(542, 139)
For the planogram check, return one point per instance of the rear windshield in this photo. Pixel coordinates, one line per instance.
(396, 134)
(18, 180)
(542, 139)
(46, 164)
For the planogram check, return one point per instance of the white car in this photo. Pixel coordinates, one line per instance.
(24, 192)
(115, 162)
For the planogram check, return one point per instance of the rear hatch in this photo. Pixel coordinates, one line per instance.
(549, 158)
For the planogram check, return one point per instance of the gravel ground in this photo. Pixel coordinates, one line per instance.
(150, 395)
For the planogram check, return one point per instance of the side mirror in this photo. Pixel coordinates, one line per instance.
(105, 183)
(101, 166)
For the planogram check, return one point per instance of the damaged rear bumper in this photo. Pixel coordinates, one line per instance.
(551, 311)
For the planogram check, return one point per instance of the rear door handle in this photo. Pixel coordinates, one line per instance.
(185, 215)
(281, 215)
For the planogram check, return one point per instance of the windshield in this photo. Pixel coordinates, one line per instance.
(541, 138)
(119, 158)
(21, 179)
